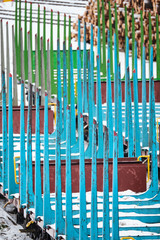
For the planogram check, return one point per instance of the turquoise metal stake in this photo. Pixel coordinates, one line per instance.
(4, 132)
(115, 83)
(94, 225)
(48, 213)
(136, 114)
(12, 188)
(106, 229)
(150, 99)
(22, 150)
(59, 221)
(64, 89)
(144, 112)
(115, 220)
(85, 101)
(88, 152)
(109, 102)
(129, 118)
(157, 45)
(119, 124)
(73, 116)
(70, 232)
(82, 220)
(99, 103)
(126, 86)
(29, 179)
(38, 186)
(15, 94)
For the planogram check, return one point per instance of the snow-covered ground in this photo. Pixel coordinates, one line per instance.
(9, 229)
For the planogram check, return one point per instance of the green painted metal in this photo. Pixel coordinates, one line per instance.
(68, 60)
(104, 40)
(19, 46)
(158, 51)
(142, 39)
(53, 86)
(25, 44)
(111, 42)
(133, 38)
(150, 33)
(38, 45)
(116, 31)
(44, 48)
(16, 34)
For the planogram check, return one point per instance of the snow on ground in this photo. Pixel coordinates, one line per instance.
(9, 229)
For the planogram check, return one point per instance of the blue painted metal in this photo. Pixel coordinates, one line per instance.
(85, 99)
(4, 132)
(88, 151)
(73, 116)
(48, 213)
(38, 185)
(64, 90)
(150, 98)
(99, 111)
(82, 220)
(106, 226)
(136, 115)
(92, 69)
(119, 115)
(115, 220)
(59, 221)
(29, 177)
(126, 85)
(70, 232)
(109, 103)
(129, 117)
(115, 83)
(144, 116)
(154, 169)
(94, 225)
(12, 188)
(22, 151)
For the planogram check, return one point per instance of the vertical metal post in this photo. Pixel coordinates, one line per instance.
(106, 225)
(12, 188)
(129, 118)
(119, 124)
(36, 64)
(115, 83)
(30, 50)
(142, 39)
(73, 117)
(154, 168)
(29, 60)
(4, 132)
(116, 32)
(109, 103)
(150, 35)
(70, 232)
(44, 48)
(136, 114)
(144, 112)
(48, 213)
(38, 186)
(22, 60)
(53, 85)
(15, 95)
(126, 86)
(157, 45)
(48, 72)
(38, 45)
(2, 52)
(99, 112)
(8, 60)
(42, 74)
(115, 220)
(92, 69)
(88, 152)
(68, 62)
(22, 150)
(16, 34)
(64, 90)
(19, 46)
(94, 225)
(104, 39)
(110, 42)
(150, 97)
(29, 179)
(25, 44)
(82, 220)
(59, 221)
(85, 101)
(133, 38)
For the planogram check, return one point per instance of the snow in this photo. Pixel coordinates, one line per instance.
(9, 229)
